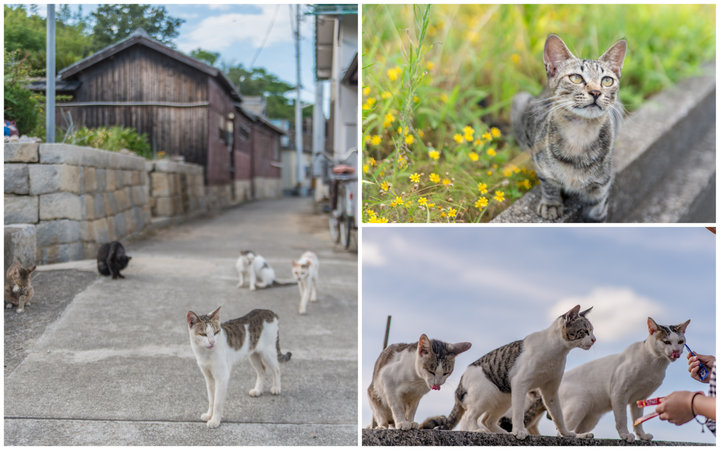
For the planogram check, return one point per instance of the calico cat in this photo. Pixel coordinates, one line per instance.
(257, 271)
(570, 128)
(111, 259)
(612, 383)
(18, 286)
(305, 272)
(218, 346)
(503, 377)
(403, 374)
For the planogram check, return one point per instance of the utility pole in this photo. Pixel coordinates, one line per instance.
(50, 76)
(298, 104)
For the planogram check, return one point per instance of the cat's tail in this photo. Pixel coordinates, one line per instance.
(283, 282)
(282, 357)
(449, 422)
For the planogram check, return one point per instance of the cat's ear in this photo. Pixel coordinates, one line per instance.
(458, 348)
(129, 258)
(582, 314)
(215, 315)
(555, 53)
(192, 319)
(572, 314)
(615, 56)
(294, 263)
(652, 325)
(424, 345)
(683, 326)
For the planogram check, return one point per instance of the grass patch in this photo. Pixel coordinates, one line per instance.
(439, 80)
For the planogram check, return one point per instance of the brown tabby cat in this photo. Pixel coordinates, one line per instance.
(18, 288)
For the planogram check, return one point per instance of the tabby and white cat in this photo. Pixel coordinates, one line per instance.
(612, 383)
(403, 374)
(570, 128)
(503, 377)
(18, 286)
(218, 346)
(305, 272)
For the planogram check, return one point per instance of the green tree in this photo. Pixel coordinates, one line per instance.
(115, 22)
(205, 56)
(20, 104)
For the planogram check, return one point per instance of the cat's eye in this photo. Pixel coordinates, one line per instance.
(681, 342)
(607, 81)
(431, 372)
(575, 78)
(666, 342)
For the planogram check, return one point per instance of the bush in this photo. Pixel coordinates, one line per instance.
(23, 106)
(114, 139)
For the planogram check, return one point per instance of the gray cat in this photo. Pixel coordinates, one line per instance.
(570, 128)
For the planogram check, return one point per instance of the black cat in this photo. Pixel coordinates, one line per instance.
(111, 259)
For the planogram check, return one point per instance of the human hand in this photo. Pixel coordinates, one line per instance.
(676, 408)
(694, 365)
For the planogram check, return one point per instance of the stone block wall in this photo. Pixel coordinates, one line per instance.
(72, 198)
(175, 189)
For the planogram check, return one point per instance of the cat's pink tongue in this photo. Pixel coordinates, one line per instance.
(436, 387)
(675, 355)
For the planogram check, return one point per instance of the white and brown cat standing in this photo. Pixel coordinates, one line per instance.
(217, 347)
(305, 271)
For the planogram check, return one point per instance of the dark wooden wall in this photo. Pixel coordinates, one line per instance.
(265, 145)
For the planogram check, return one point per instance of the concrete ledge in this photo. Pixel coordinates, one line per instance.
(652, 143)
(446, 438)
(88, 156)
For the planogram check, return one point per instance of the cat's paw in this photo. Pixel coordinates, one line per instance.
(404, 426)
(568, 434)
(302, 311)
(644, 436)
(213, 423)
(275, 390)
(585, 436)
(252, 288)
(521, 434)
(255, 393)
(19, 310)
(205, 417)
(550, 211)
(627, 437)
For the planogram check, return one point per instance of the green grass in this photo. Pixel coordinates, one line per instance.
(432, 72)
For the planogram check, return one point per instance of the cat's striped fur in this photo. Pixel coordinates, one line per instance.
(18, 286)
(570, 128)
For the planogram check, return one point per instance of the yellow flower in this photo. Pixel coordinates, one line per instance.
(416, 99)
(399, 201)
(434, 177)
(422, 201)
(499, 196)
(458, 138)
(430, 205)
(469, 137)
(415, 177)
(495, 132)
(421, 133)
(372, 161)
(481, 203)
(365, 168)
(434, 154)
(446, 181)
(385, 186)
(515, 58)
(507, 171)
(430, 65)
(400, 131)
(367, 139)
(482, 187)
(375, 219)
(473, 156)
(389, 119)
(394, 73)
(386, 94)
(393, 204)
(489, 172)
(452, 212)
(525, 184)
(376, 140)
(366, 90)
(477, 142)
(469, 130)
(409, 139)
(444, 97)
(487, 136)
(491, 152)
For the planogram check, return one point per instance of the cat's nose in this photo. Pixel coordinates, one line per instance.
(595, 94)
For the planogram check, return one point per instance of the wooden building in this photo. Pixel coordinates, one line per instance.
(185, 106)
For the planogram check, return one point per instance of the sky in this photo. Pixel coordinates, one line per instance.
(491, 286)
(238, 31)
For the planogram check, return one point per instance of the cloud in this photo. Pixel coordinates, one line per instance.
(223, 31)
(618, 312)
(372, 255)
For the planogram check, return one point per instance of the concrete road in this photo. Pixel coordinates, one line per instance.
(116, 367)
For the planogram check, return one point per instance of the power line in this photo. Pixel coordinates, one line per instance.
(267, 34)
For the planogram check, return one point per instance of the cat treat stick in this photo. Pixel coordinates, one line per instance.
(645, 418)
(649, 402)
(702, 370)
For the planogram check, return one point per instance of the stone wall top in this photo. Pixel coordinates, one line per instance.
(165, 165)
(88, 156)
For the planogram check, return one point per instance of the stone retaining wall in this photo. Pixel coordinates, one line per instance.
(63, 201)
